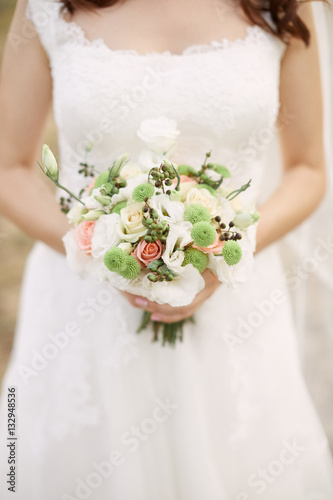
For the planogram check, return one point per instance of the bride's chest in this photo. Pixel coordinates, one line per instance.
(222, 86)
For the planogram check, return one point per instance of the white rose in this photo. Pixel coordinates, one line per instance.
(203, 197)
(159, 135)
(130, 170)
(179, 236)
(130, 227)
(105, 235)
(185, 187)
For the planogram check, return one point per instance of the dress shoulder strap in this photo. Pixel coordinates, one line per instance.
(45, 14)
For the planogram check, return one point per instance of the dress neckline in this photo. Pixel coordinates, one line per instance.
(253, 33)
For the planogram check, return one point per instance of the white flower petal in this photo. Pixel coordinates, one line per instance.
(105, 235)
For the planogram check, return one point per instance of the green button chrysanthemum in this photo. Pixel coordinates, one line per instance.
(203, 234)
(143, 191)
(232, 253)
(116, 209)
(115, 259)
(186, 170)
(197, 213)
(102, 179)
(132, 268)
(198, 259)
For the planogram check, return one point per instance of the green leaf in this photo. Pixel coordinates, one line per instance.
(155, 264)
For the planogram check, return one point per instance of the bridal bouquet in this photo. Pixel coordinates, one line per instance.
(154, 233)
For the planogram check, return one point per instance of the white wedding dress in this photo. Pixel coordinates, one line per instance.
(104, 413)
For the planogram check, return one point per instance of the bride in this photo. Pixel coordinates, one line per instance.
(101, 412)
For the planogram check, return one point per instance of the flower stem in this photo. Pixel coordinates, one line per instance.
(69, 192)
(235, 193)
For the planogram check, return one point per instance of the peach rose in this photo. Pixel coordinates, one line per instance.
(215, 248)
(147, 252)
(83, 234)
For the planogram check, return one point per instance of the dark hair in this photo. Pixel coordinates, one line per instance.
(284, 14)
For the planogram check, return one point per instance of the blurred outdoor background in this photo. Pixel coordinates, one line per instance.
(15, 246)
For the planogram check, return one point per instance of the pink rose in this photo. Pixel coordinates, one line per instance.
(215, 248)
(147, 252)
(83, 234)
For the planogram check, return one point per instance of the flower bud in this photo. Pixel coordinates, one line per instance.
(103, 200)
(93, 215)
(50, 164)
(118, 164)
(244, 220)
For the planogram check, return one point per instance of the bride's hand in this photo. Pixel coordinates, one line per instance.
(168, 314)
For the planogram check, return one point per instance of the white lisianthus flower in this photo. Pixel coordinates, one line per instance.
(179, 236)
(77, 259)
(148, 160)
(105, 235)
(76, 213)
(179, 292)
(172, 211)
(234, 276)
(126, 247)
(226, 211)
(204, 197)
(160, 134)
(130, 227)
(90, 201)
(130, 170)
(97, 271)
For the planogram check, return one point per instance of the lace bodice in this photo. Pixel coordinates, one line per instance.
(224, 96)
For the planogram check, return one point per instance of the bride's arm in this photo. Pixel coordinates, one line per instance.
(25, 99)
(303, 182)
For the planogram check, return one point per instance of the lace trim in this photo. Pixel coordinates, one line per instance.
(254, 34)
